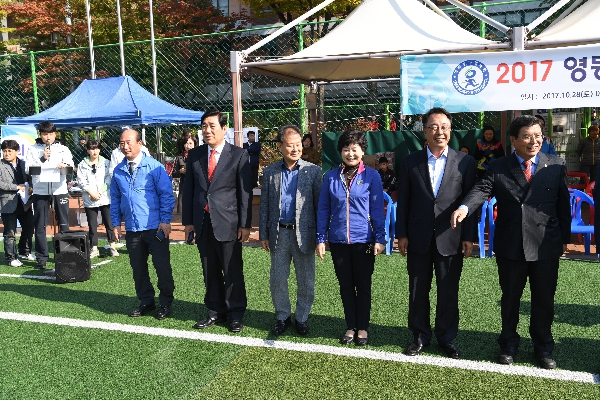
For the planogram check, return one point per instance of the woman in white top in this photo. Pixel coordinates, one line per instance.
(94, 179)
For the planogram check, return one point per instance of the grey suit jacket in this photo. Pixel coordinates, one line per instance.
(421, 215)
(8, 186)
(532, 219)
(307, 198)
(228, 195)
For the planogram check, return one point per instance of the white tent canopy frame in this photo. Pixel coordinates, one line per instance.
(372, 38)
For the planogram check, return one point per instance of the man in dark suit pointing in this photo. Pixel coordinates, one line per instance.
(432, 183)
(216, 204)
(533, 227)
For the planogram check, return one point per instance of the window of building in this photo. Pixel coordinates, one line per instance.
(222, 5)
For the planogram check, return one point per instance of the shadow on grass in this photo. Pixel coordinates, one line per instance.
(583, 315)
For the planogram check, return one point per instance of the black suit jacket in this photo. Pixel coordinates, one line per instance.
(534, 219)
(421, 215)
(228, 196)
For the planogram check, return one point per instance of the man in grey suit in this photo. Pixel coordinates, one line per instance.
(533, 228)
(12, 181)
(432, 183)
(288, 209)
(216, 204)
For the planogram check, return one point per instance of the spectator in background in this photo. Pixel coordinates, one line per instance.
(547, 145)
(253, 148)
(309, 153)
(350, 217)
(94, 180)
(12, 183)
(487, 150)
(79, 153)
(184, 145)
(49, 152)
(465, 149)
(588, 150)
(595, 120)
(388, 178)
(142, 194)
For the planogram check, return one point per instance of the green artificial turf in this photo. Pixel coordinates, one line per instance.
(114, 362)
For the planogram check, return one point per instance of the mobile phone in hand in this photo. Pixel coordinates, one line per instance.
(190, 238)
(160, 235)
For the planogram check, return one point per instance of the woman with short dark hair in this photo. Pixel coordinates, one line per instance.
(350, 217)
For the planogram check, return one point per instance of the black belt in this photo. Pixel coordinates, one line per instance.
(287, 226)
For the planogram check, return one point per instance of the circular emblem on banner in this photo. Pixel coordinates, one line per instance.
(470, 77)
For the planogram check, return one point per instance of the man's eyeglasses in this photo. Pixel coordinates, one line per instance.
(527, 138)
(443, 128)
(93, 168)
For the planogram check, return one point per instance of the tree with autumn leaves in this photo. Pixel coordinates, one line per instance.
(36, 20)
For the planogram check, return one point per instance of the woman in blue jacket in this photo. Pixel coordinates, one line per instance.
(350, 217)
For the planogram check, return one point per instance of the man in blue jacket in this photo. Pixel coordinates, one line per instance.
(141, 193)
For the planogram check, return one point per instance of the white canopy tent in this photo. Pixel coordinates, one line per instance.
(578, 27)
(370, 40)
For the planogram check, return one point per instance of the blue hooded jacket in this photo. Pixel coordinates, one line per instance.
(145, 199)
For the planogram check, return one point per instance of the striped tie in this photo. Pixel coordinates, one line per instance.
(527, 170)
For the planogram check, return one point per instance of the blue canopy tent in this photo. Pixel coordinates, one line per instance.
(110, 102)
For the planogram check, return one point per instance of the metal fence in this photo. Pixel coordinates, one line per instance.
(193, 72)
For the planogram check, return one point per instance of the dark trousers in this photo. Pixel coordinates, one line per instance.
(180, 194)
(254, 173)
(543, 276)
(9, 220)
(41, 209)
(223, 270)
(590, 170)
(92, 218)
(447, 276)
(140, 245)
(354, 265)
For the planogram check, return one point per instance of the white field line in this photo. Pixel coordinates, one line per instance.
(561, 375)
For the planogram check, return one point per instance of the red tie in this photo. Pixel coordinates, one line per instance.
(212, 164)
(527, 170)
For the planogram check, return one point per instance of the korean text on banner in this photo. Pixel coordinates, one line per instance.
(512, 80)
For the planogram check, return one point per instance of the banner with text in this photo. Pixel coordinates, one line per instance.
(511, 80)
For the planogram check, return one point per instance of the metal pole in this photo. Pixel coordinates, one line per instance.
(303, 121)
(236, 87)
(90, 39)
(154, 80)
(120, 26)
(34, 82)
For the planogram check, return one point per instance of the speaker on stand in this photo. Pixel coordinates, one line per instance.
(72, 257)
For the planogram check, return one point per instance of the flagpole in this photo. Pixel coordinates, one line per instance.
(154, 80)
(90, 39)
(121, 38)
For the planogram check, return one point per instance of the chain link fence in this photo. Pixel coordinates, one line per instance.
(193, 72)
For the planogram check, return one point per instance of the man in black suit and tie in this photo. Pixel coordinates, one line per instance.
(533, 227)
(216, 204)
(432, 183)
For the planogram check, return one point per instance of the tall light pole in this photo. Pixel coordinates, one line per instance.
(90, 39)
(122, 52)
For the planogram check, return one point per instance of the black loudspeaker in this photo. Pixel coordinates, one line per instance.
(72, 257)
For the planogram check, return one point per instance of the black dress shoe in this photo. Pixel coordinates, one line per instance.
(281, 326)
(348, 339)
(507, 356)
(40, 264)
(415, 348)
(546, 360)
(143, 309)
(362, 341)
(208, 321)
(163, 312)
(302, 328)
(50, 272)
(236, 326)
(451, 350)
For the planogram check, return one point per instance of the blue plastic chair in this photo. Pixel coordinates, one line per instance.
(389, 247)
(491, 226)
(481, 229)
(578, 225)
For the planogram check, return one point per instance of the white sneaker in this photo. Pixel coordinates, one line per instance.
(15, 263)
(114, 252)
(28, 257)
(94, 253)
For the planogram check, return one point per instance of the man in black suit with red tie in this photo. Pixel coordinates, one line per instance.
(216, 204)
(431, 184)
(533, 228)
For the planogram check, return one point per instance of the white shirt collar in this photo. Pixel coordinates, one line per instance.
(219, 148)
(136, 161)
(430, 154)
